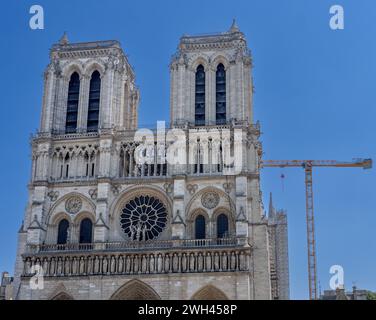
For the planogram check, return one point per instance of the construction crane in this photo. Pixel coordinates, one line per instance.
(307, 165)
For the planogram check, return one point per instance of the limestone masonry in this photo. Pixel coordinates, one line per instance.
(101, 225)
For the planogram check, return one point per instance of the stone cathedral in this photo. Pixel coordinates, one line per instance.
(101, 224)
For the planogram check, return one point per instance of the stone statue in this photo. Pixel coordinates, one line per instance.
(224, 261)
(90, 265)
(167, 263)
(216, 261)
(135, 263)
(143, 264)
(120, 264)
(52, 267)
(96, 264)
(199, 262)
(151, 264)
(159, 263)
(127, 264)
(82, 266)
(191, 262)
(184, 262)
(208, 262)
(66, 266)
(59, 267)
(233, 261)
(45, 267)
(74, 265)
(112, 267)
(105, 265)
(175, 263)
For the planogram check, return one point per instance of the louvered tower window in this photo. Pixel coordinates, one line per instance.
(72, 104)
(94, 99)
(200, 96)
(220, 105)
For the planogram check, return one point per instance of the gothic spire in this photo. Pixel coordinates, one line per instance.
(64, 39)
(234, 28)
(271, 213)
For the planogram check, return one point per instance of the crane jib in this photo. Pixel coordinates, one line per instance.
(307, 165)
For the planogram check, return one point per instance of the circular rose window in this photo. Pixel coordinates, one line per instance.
(143, 218)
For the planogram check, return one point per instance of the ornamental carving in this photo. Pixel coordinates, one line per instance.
(169, 187)
(53, 195)
(210, 200)
(93, 194)
(192, 188)
(73, 204)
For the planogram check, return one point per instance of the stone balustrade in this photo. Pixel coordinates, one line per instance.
(181, 256)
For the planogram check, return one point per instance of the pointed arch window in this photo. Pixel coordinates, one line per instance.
(200, 227)
(72, 104)
(86, 231)
(200, 96)
(222, 226)
(220, 87)
(94, 100)
(62, 232)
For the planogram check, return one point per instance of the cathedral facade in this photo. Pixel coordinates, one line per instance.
(113, 215)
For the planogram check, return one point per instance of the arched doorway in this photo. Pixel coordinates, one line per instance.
(209, 292)
(135, 290)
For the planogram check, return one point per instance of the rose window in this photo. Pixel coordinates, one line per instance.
(143, 218)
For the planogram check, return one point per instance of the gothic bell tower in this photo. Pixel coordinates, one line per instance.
(88, 87)
(211, 80)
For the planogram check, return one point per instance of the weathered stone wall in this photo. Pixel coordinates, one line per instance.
(171, 287)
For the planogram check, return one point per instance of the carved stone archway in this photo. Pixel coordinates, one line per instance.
(209, 292)
(135, 290)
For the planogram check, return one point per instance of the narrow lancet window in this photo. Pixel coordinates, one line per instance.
(72, 104)
(220, 105)
(94, 100)
(200, 96)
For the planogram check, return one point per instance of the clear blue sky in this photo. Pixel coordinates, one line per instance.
(315, 98)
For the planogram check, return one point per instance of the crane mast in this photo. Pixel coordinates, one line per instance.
(307, 165)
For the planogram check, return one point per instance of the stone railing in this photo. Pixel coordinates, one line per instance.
(136, 245)
(189, 257)
(57, 135)
(73, 179)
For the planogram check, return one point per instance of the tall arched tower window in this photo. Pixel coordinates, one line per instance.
(200, 96)
(94, 98)
(86, 231)
(200, 228)
(222, 226)
(72, 104)
(220, 87)
(62, 232)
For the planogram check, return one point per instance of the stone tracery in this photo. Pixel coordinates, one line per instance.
(143, 218)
